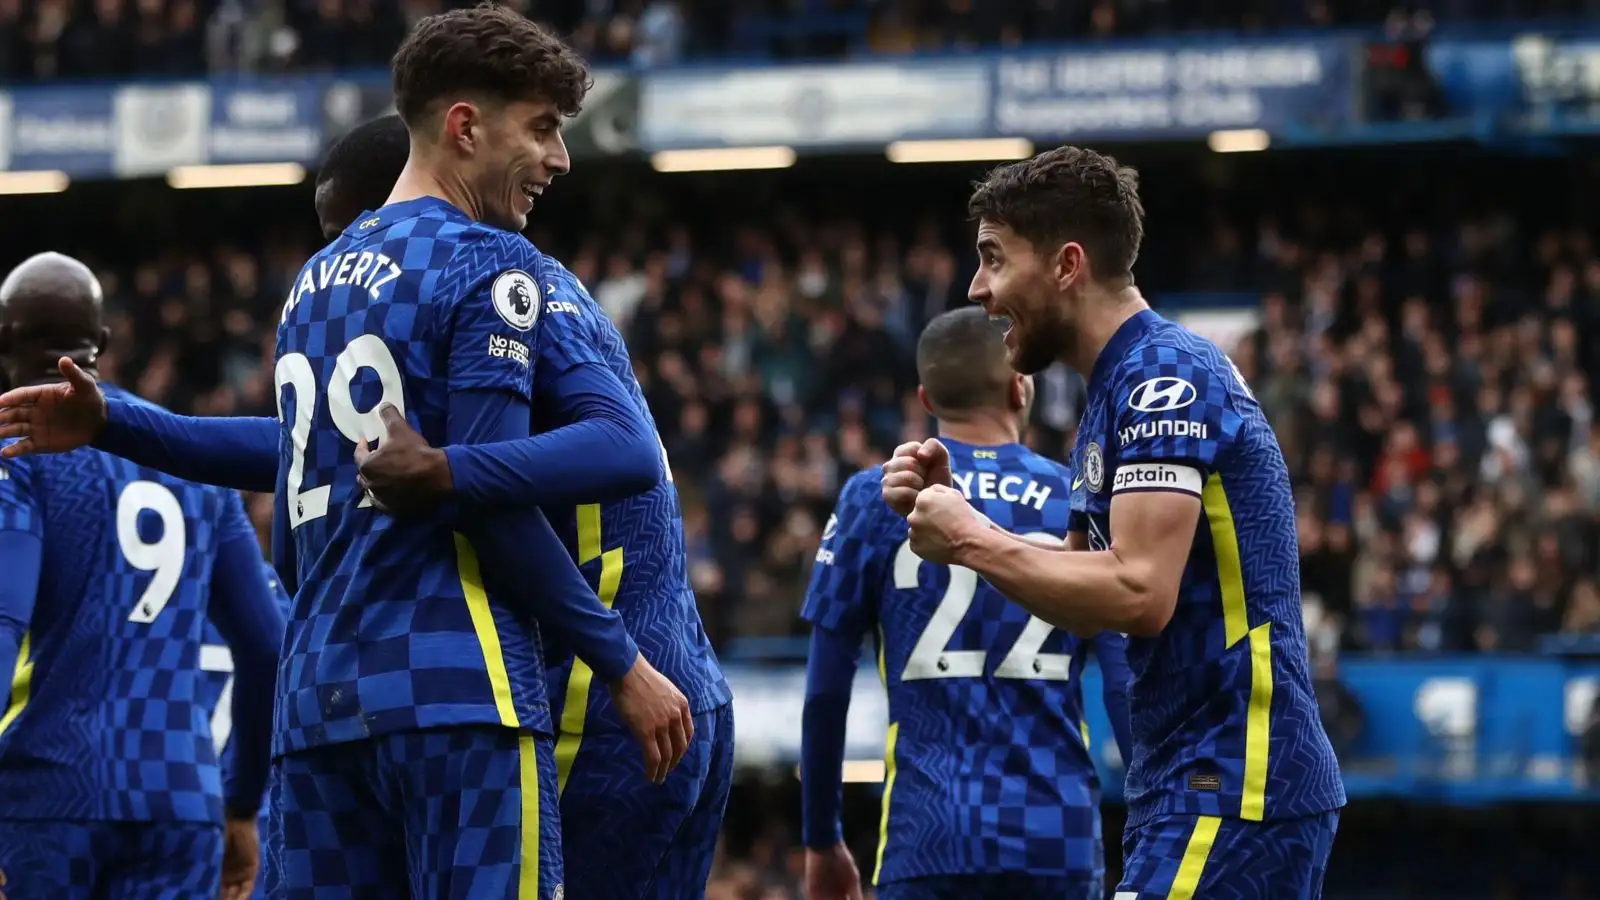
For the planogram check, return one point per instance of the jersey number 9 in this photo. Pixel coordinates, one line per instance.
(294, 371)
(932, 658)
(162, 557)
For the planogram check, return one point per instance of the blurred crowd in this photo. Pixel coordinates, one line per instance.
(46, 39)
(1431, 389)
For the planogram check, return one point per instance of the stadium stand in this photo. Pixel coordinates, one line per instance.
(1418, 323)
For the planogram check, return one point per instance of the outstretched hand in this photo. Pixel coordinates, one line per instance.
(405, 474)
(53, 418)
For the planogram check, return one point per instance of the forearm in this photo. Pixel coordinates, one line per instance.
(607, 452)
(1084, 592)
(235, 452)
(524, 560)
(247, 613)
(830, 673)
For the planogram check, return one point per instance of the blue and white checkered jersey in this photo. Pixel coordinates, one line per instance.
(106, 718)
(216, 685)
(631, 551)
(1224, 719)
(988, 762)
(392, 626)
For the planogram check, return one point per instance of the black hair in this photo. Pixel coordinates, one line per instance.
(961, 362)
(1068, 194)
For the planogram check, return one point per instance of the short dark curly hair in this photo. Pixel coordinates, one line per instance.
(489, 50)
(1068, 194)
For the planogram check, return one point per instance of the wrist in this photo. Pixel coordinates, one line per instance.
(241, 813)
(969, 543)
(441, 477)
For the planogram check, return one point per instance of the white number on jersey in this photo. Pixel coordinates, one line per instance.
(294, 371)
(666, 465)
(930, 658)
(164, 557)
(216, 658)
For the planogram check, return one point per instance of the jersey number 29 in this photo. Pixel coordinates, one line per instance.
(367, 351)
(932, 658)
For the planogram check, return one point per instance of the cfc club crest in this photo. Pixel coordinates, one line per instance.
(516, 299)
(1094, 467)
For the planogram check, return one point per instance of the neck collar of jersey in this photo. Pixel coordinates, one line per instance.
(372, 220)
(1128, 332)
(954, 445)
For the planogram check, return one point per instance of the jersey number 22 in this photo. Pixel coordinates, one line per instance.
(932, 658)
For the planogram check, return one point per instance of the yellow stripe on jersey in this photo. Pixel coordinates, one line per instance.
(528, 782)
(1236, 628)
(494, 660)
(1195, 852)
(575, 709)
(889, 770)
(1253, 799)
(21, 683)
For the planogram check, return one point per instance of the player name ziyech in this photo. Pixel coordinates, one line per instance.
(358, 268)
(995, 486)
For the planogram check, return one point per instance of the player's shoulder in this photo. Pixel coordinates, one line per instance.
(1038, 464)
(567, 301)
(860, 505)
(504, 264)
(1171, 367)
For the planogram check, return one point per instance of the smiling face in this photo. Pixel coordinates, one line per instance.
(517, 150)
(1020, 287)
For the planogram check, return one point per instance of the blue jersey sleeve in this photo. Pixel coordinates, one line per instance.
(850, 564)
(609, 451)
(605, 450)
(492, 313)
(842, 605)
(1111, 650)
(1173, 420)
(249, 616)
(519, 549)
(235, 452)
(21, 550)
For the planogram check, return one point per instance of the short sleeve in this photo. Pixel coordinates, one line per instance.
(572, 332)
(493, 305)
(1173, 420)
(19, 510)
(850, 565)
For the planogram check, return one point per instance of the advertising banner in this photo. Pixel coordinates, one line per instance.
(1172, 93)
(269, 121)
(157, 128)
(69, 129)
(814, 106)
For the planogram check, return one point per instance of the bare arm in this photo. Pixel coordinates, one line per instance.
(1132, 587)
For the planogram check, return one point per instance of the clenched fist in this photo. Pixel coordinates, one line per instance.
(941, 520)
(913, 467)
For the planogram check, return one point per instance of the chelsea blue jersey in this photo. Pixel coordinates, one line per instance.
(216, 685)
(988, 761)
(106, 717)
(632, 550)
(1224, 719)
(392, 626)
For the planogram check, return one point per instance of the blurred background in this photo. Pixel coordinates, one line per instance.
(1386, 211)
